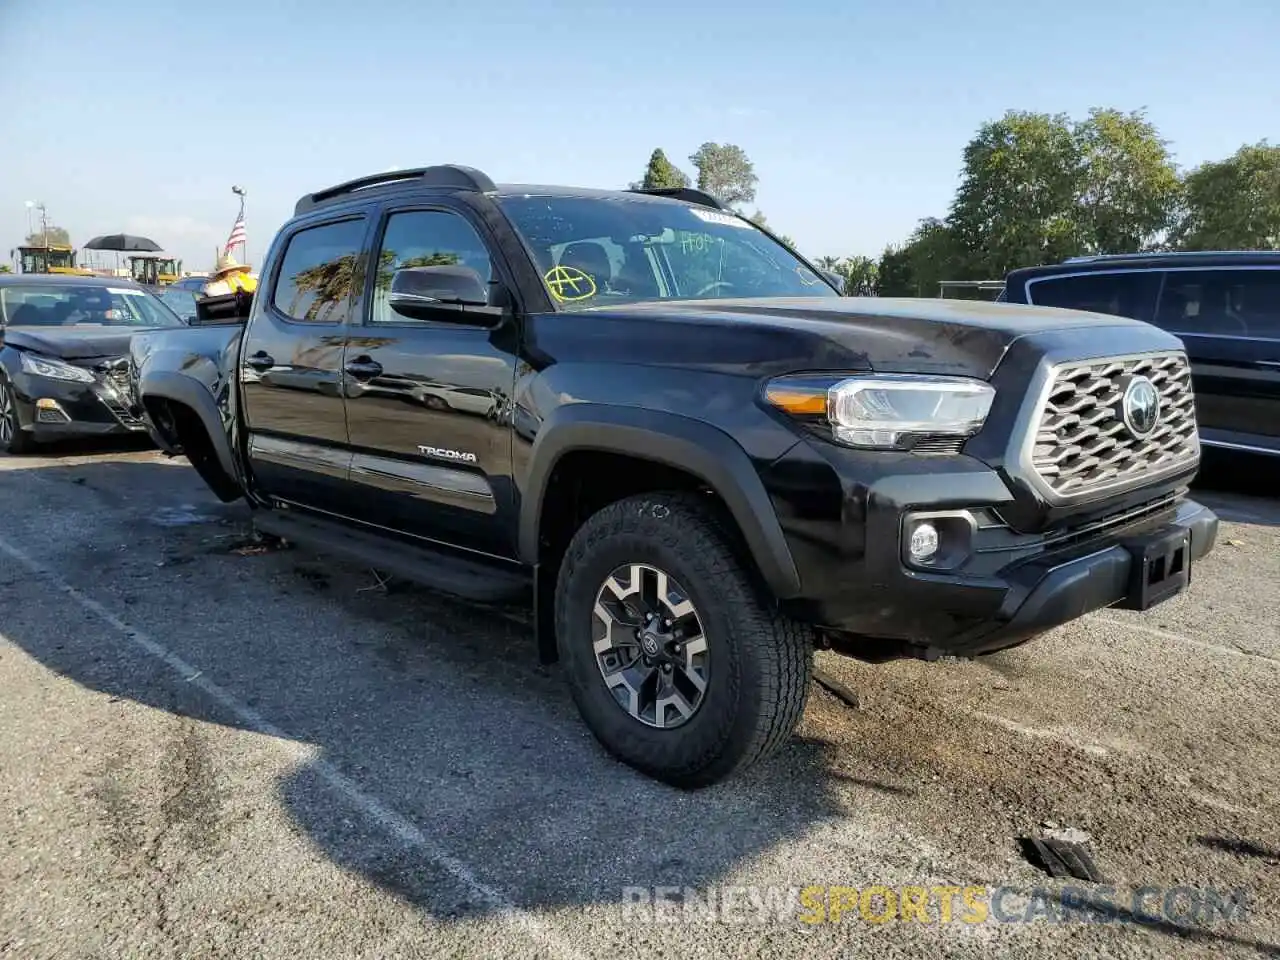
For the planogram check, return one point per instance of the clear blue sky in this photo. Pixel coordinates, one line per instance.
(855, 114)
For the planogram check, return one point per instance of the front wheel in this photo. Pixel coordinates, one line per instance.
(13, 439)
(676, 661)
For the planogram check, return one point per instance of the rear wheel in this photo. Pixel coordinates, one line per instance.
(13, 439)
(675, 658)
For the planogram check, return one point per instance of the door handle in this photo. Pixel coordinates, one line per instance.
(363, 368)
(260, 361)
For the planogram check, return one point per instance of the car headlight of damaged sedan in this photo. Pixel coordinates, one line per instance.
(886, 411)
(55, 369)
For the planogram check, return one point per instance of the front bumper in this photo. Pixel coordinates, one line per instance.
(51, 409)
(869, 600)
(1135, 567)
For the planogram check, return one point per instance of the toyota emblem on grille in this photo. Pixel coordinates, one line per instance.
(1140, 407)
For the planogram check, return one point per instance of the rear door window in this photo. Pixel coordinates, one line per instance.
(319, 271)
(1239, 303)
(1131, 294)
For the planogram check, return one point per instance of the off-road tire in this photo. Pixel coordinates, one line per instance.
(761, 661)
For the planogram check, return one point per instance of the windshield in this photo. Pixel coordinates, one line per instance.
(593, 252)
(60, 305)
(181, 301)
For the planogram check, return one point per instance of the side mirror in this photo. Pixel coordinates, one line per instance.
(448, 293)
(836, 280)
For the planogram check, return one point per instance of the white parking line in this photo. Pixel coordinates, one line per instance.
(403, 830)
(1179, 638)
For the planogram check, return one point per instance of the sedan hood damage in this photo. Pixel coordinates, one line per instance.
(71, 343)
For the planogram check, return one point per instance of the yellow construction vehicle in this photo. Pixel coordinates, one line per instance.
(50, 258)
(153, 270)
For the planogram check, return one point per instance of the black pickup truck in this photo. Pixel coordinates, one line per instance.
(672, 436)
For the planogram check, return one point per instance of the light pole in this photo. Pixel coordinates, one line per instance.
(30, 205)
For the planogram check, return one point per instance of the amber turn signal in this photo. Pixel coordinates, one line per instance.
(799, 400)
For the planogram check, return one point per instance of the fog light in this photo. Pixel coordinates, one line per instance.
(50, 411)
(924, 542)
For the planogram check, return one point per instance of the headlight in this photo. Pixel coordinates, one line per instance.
(887, 411)
(55, 369)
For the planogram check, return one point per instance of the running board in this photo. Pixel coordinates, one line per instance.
(445, 572)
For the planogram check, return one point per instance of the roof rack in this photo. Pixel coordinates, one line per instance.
(687, 194)
(1150, 254)
(442, 175)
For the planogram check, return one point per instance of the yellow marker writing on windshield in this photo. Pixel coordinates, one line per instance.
(568, 284)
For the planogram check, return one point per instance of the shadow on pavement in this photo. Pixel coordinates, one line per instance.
(438, 709)
(1240, 487)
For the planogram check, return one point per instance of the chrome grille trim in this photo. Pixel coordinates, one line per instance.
(1077, 446)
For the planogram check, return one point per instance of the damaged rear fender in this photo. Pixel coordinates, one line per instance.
(185, 389)
(190, 421)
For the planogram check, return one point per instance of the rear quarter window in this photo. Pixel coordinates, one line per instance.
(1240, 303)
(1131, 294)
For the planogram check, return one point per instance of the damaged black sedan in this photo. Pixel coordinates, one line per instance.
(64, 356)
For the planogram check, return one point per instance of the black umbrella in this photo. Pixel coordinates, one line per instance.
(123, 242)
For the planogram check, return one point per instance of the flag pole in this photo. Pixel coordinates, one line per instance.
(241, 192)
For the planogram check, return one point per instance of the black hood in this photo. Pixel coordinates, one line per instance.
(946, 337)
(73, 342)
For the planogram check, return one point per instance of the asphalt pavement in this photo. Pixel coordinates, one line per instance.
(212, 750)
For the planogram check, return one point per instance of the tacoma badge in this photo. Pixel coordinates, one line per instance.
(444, 454)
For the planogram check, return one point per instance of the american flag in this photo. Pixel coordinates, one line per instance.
(238, 234)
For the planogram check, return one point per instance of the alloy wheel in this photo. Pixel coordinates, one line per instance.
(7, 415)
(649, 646)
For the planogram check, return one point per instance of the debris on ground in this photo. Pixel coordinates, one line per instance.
(841, 690)
(1065, 834)
(1062, 858)
(381, 582)
(254, 545)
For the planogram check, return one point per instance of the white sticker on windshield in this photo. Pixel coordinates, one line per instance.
(715, 216)
(127, 291)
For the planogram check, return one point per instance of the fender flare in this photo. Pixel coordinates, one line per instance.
(675, 441)
(190, 392)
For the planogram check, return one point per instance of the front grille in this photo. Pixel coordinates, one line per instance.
(1082, 443)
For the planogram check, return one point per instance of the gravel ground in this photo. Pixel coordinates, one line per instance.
(207, 751)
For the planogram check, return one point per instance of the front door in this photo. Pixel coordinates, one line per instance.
(1229, 320)
(427, 399)
(291, 367)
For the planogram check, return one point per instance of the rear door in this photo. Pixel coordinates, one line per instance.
(427, 399)
(1229, 319)
(291, 365)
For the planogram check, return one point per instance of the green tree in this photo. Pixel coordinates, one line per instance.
(1040, 187)
(936, 251)
(725, 172)
(860, 276)
(1015, 204)
(53, 235)
(661, 173)
(1130, 190)
(893, 275)
(1234, 204)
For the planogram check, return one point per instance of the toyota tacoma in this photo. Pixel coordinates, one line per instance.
(673, 437)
